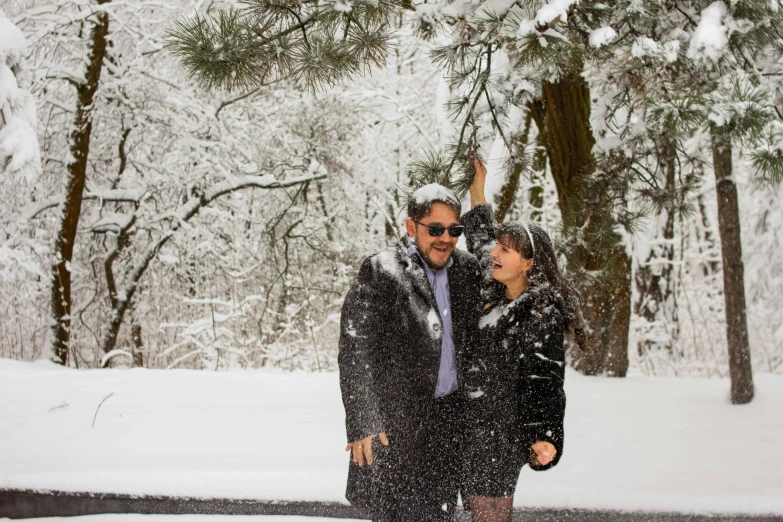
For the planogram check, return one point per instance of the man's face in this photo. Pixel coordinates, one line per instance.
(436, 251)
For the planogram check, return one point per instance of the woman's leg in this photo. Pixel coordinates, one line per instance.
(491, 509)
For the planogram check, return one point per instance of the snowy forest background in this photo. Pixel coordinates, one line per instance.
(221, 230)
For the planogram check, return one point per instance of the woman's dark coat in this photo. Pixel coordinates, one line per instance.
(390, 347)
(517, 358)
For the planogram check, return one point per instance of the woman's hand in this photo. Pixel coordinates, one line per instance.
(477, 187)
(542, 453)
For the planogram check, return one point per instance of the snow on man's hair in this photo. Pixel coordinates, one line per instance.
(421, 200)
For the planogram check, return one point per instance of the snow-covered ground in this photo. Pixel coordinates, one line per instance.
(638, 443)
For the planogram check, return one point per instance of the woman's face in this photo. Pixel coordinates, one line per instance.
(509, 265)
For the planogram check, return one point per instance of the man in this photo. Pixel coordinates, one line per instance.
(404, 329)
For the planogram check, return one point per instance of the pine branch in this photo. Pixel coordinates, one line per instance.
(271, 39)
(469, 117)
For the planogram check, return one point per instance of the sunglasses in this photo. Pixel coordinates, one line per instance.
(438, 230)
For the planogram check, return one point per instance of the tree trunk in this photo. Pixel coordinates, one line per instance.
(592, 245)
(740, 370)
(535, 196)
(504, 201)
(138, 346)
(704, 236)
(72, 206)
(656, 298)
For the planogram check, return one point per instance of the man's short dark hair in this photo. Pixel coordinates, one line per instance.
(421, 200)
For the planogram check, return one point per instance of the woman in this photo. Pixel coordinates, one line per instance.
(515, 382)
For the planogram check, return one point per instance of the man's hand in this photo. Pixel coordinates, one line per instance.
(477, 187)
(361, 450)
(542, 453)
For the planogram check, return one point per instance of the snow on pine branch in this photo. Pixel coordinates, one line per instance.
(433, 192)
(548, 13)
(554, 10)
(710, 37)
(12, 41)
(602, 36)
(19, 151)
(470, 11)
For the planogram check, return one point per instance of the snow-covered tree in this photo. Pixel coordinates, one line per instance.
(502, 60)
(255, 276)
(687, 83)
(155, 157)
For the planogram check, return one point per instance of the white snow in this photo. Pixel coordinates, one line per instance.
(19, 151)
(635, 443)
(343, 7)
(553, 9)
(644, 46)
(495, 8)
(433, 320)
(22, 105)
(602, 36)
(545, 358)
(457, 9)
(19, 147)
(8, 84)
(527, 28)
(12, 41)
(168, 259)
(433, 192)
(671, 51)
(113, 221)
(386, 261)
(492, 317)
(709, 38)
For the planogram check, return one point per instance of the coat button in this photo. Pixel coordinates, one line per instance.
(436, 327)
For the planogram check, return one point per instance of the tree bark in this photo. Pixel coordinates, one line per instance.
(535, 196)
(593, 246)
(704, 237)
(138, 346)
(504, 201)
(656, 297)
(77, 170)
(740, 370)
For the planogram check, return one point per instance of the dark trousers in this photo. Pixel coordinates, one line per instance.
(438, 478)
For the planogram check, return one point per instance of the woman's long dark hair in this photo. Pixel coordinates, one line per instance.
(545, 272)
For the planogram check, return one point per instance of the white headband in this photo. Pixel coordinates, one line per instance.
(530, 236)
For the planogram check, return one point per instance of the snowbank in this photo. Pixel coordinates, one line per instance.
(635, 443)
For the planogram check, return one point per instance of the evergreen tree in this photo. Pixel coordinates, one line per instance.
(507, 59)
(502, 57)
(689, 70)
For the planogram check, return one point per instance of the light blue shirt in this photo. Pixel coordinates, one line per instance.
(439, 282)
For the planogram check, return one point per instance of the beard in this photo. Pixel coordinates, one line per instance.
(432, 257)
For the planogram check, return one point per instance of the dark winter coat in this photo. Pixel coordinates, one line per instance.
(517, 359)
(389, 356)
